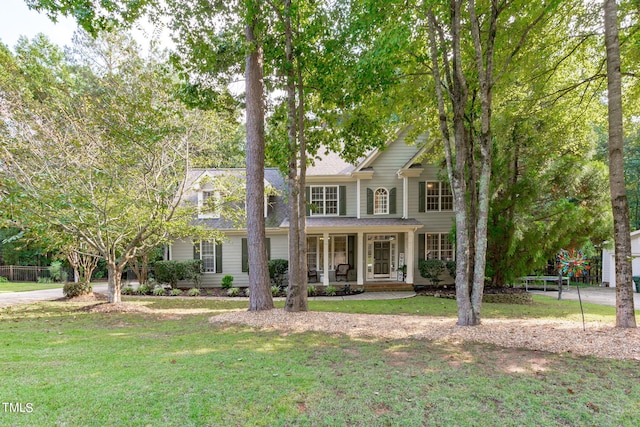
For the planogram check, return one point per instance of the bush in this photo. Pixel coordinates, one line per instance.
(247, 292)
(331, 291)
(74, 289)
(233, 292)
(144, 290)
(57, 272)
(311, 290)
(3, 279)
(275, 290)
(159, 291)
(227, 281)
(173, 271)
(451, 267)
(432, 269)
(278, 271)
(193, 292)
(175, 292)
(45, 280)
(128, 290)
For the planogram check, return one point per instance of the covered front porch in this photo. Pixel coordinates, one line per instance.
(378, 252)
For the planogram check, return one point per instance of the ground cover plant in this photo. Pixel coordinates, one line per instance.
(171, 367)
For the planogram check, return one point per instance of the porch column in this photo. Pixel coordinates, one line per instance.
(410, 255)
(405, 197)
(325, 266)
(360, 261)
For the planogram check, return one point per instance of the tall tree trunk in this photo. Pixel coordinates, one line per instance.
(296, 293)
(625, 314)
(302, 198)
(259, 285)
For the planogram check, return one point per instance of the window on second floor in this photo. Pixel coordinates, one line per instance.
(208, 204)
(381, 202)
(324, 200)
(435, 196)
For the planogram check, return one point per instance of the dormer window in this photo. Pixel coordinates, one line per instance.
(209, 204)
(381, 202)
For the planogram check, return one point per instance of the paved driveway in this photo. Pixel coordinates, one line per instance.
(592, 294)
(14, 298)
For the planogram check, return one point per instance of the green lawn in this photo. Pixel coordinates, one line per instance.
(172, 368)
(27, 286)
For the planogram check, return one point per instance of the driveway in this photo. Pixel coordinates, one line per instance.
(592, 294)
(14, 298)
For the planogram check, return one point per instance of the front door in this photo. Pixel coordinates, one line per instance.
(381, 251)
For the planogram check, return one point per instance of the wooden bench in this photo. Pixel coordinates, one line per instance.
(527, 280)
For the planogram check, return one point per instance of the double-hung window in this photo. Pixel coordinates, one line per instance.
(324, 200)
(437, 197)
(438, 246)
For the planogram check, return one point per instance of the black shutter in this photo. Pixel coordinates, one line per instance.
(245, 256)
(351, 250)
(369, 201)
(421, 247)
(422, 195)
(268, 243)
(307, 205)
(342, 191)
(392, 201)
(219, 258)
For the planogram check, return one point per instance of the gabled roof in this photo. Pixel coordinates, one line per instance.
(277, 210)
(329, 163)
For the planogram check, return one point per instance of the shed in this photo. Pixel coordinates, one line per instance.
(609, 264)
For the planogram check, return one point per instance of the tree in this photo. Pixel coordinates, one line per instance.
(260, 297)
(625, 314)
(101, 156)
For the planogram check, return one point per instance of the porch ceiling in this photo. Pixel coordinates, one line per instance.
(358, 224)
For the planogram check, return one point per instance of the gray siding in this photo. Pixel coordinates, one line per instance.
(231, 258)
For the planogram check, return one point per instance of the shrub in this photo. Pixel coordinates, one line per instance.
(275, 290)
(451, 267)
(144, 289)
(432, 269)
(247, 292)
(74, 289)
(311, 290)
(331, 291)
(175, 292)
(193, 292)
(227, 281)
(173, 271)
(159, 291)
(233, 292)
(3, 279)
(57, 272)
(45, 280)
(278, 271)
(128, 290)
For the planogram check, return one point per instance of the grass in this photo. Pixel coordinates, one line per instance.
(27, 286)
(173, 368)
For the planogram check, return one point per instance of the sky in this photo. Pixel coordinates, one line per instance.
(17, 19)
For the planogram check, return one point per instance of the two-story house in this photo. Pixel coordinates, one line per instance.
(387, 212)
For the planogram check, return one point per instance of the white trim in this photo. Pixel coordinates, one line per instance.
(361, 257)
(405, 197)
